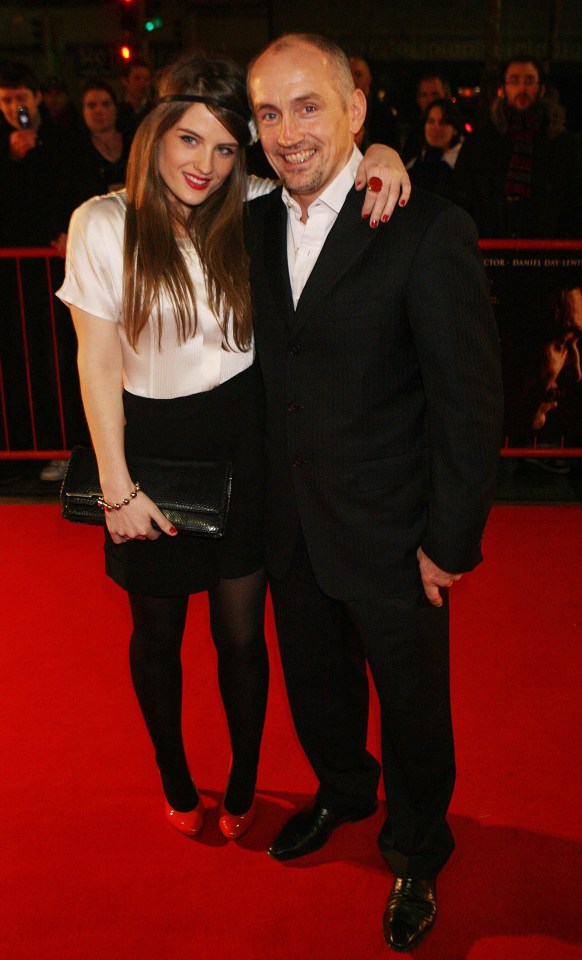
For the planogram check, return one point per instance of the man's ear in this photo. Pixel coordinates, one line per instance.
(357, 110)
(38, 98)
(501, 92)
(542, 90)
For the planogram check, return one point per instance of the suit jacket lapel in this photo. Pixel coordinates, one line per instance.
(275, 254)
(346, 241)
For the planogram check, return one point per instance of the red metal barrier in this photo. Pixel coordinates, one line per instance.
(43, 255)
(47, 254)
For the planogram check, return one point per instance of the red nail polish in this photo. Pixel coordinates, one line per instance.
(402, 203)
(173, 530)
(385, 218)
(373, 223)
(365, 216)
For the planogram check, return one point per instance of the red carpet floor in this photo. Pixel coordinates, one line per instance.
(91, 871)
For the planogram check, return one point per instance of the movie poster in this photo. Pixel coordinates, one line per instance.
(537, 298)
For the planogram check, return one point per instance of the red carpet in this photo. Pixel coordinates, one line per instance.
(91, 871)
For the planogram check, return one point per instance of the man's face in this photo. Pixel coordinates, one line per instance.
(138, 83)
(55, 99)
(305, 129)
(361, 74)
(521, 87)
(11, 98)
(560, 360)
(429, 90)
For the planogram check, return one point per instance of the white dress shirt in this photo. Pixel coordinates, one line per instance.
(305, 240)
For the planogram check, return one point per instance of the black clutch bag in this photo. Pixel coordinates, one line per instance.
(194, 495)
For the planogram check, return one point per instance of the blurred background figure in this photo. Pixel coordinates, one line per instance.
(443, 130)
(102, 148)
(430, 87)
(60, 111)
(37, 196)
(520, 174)
(136, 80)
(380, 124)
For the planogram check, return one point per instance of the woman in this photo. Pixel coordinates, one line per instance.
(443, 128)
(158, 289)
(103, 155)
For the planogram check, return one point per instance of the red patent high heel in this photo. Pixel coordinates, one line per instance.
(189, 823)
(234, 825)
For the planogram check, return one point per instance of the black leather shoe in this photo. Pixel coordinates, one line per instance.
(410, 913)
(311, 828)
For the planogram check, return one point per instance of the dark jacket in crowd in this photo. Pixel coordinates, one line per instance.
(482, 168)
(94, 174)
(37, 193)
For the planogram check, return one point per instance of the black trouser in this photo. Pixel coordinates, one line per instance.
(325, 644)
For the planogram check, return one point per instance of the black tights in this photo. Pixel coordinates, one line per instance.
(236, 622)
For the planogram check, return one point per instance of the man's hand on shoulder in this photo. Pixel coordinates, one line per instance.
(433, 578)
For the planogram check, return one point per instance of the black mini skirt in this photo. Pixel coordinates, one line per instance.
(226, 423)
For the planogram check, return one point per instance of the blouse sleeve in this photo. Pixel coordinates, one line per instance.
(94, 266)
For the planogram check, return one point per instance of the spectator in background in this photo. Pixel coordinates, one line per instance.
(103, 150)
(430, 87)
(443, 128)
(519, 175)
(59, 110)
(136, 81)
(36, 200)
(380, 123)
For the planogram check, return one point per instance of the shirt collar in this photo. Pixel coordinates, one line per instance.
(335, 193)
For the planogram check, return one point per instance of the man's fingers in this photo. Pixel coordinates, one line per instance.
(433, 594)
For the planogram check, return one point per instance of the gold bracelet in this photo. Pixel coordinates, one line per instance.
(105, 505)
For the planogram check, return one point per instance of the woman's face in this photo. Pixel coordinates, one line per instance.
(196, 156)
(99, 112)
(437, 132)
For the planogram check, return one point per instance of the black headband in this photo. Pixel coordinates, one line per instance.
(213, 101)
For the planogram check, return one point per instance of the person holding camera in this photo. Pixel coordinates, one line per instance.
(37, 197)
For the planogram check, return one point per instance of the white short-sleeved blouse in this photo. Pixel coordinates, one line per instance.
(93, 282)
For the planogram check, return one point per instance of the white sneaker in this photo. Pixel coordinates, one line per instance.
(54, 470)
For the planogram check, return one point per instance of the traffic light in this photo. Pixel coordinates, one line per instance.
(153, 23)
(152, 16)
(130, 19)
(130, 14)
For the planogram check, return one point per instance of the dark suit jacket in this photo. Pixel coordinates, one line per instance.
(383, 395)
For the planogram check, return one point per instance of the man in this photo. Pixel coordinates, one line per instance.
(520, 175)
(136, 81)
(379, 358)
(430, 87)
(36, 200)
(380, 121)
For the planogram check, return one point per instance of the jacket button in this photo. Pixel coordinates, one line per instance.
(298, 462)
(293, 406)
(294, 349)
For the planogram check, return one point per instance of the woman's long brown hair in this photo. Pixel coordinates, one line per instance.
(153, 261)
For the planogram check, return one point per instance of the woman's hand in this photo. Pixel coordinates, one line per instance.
(386, 180)
(134, 521)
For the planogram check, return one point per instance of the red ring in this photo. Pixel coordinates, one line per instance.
(375, 184)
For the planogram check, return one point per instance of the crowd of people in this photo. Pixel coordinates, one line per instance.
(337, 345)
(53, 156)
